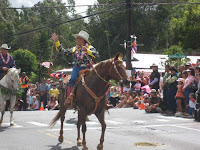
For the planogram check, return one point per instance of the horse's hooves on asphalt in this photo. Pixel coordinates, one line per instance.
(60, 139)
(12, 124)
(79, 143)
(100, 147)
(85, 148)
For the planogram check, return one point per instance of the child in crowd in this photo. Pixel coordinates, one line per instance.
(191, 104)
(180, 97)
(138, 85)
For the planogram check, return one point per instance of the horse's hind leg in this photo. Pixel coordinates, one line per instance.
(12, 104)
(101, 119)
(79, 142)
(63, 111)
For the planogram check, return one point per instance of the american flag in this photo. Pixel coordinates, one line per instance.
(46, 64)
(134, 47)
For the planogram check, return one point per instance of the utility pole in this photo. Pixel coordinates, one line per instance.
(128, 32)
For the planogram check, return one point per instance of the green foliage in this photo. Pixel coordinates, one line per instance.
(25, 60)
(175, 49)
(33, 77)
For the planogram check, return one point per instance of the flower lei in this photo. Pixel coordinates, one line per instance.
(8, 58)
(80, 54)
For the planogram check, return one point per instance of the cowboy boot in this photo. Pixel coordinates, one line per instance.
(70, 95)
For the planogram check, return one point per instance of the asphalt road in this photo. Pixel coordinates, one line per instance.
(125, 129)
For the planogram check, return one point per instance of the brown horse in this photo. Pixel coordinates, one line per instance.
(87, 101)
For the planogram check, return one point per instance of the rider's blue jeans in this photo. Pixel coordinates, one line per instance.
(74, 75)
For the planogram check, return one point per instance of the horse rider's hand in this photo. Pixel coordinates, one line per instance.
(54, 37)
(4, 68)
(84, 49)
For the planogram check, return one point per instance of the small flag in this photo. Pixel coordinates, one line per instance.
(46, 64)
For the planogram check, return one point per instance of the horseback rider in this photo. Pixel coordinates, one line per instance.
(83, 47)
(6, 60)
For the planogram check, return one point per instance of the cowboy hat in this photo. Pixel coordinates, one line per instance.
(84, 35)
(5, 46)
(153, 91)
(153, 65)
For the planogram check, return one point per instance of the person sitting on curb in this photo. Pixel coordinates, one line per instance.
(154, 103)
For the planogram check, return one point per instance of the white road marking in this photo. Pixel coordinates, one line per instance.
(112, 122)
(175, 118)
(8, 124)
(38, 124)
(178, 126)
(162, 120)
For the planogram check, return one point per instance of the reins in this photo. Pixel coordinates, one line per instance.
(96, 98)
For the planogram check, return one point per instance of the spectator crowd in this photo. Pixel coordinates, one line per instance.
(172, 92)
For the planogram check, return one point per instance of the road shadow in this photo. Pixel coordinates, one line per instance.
(58, 147)
(2, 129)
(72, 121)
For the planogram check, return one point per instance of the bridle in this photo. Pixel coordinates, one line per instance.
(115, 68)
(112, 66)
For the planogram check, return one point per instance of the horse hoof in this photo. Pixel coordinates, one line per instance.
(85, 148)
(100, 147)
(60, 139)
(79, 143)
(12, 124)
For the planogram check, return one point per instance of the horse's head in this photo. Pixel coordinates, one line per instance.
(118, 70)
(13, 74)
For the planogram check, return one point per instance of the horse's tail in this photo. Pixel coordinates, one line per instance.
(55, 119)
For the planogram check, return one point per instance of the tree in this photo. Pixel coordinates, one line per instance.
(25, 60)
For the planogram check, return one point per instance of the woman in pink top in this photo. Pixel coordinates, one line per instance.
(188, 81)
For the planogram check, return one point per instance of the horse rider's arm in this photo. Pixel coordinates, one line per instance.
(60, 49)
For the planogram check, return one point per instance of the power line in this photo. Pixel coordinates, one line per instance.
(103, 5)
(57, 24)
(174, 3)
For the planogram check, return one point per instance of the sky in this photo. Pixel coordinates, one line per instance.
(30, 3)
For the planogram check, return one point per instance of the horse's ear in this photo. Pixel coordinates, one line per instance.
(119, 56)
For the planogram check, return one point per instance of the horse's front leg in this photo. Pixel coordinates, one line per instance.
(12, 104)
(79, 141)
(101, 119)
(2, 111)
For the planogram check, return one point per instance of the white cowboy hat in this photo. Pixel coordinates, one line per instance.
(5, 46)
(84, 35)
